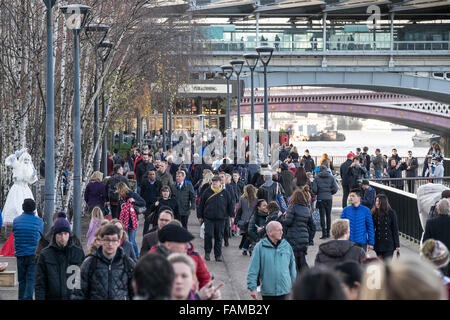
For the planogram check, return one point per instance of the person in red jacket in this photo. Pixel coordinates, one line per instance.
(176, 239)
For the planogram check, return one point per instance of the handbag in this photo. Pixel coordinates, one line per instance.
(316, 219)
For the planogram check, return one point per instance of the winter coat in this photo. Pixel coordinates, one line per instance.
(113, 196)
(257, 179)
(368, 199)
(165, 178)
(53, 270)
(44, 242)
(344, 173)
(333, 252)
(185, 197)
(150, 192)
(300, 227)
(413, 164)
(171, 202)
(106, 280)
(27, 229)
(243, 213)
(355, 175)
(378, 162)
(308, 163)
(283, 155)
(239, 188)
(95, 194)
(94, 224)
(287, 177)
(361, 224)
(128, 250)
(139, 202)
(386, 232)
(252, 169)
(197, 173)
(438, 228)
(294, 156)
(269, 191)
(148, 241)
(393, 172)
(365, 160)
(141, 171)
(274, 266)
(258, 219)
(324, 185)
(219, 206)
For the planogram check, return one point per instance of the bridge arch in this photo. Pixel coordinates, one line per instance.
(426, 88)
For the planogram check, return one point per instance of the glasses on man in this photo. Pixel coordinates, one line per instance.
(110, 240)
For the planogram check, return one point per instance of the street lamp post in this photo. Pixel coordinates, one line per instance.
(49, 201)
(101, 30)
(79, 12)
(227, 73)
(252, 61)
(105, 49)
(238, 65)
(265, 54)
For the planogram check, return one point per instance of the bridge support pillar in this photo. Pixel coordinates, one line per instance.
(445, 145)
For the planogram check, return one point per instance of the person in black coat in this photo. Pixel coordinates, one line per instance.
(107, 273)
(215, 207)
(113, 196)
(355, 173)
(165, 200)
(395, 171)
(438, 227)
(300, 227)
(346, 178)
(385, 227)
(150, 190)
(57, 263)
(142, 167)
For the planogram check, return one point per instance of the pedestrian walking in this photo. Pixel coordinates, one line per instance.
(95, 222)
(151, 238)
(113, 196)
(57, 263)
(287, 177)
(273, 264)
(183, 192)
(215, 208)
(350, 273)
(257, 223)
(244, 212)
(344, 172)
(107, 273)
(183, 286)
(368, 199)
(411, 171)
(27, 229)
(150, 190)
(436, 252)
(164, 176)
(95, 193)
(340, 249)
(128, 215)
(117, 159)
(325, 186)
(300, 227)
(126, 245)
(361, 223)
(307, 162)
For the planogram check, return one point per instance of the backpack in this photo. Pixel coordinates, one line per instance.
(127, 210)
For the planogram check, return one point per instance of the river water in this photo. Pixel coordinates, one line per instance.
(384, 140)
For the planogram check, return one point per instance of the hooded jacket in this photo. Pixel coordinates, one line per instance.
(258, 219)
(106, 280)
(274, 266)
(324, 185)
(54, 268)
(335, 251)
(300, 227)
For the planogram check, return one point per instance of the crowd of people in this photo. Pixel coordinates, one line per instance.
(275, 212)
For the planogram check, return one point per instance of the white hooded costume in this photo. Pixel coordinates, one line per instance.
(24, 174)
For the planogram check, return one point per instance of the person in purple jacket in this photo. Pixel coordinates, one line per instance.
(361, 223)
(95, 194)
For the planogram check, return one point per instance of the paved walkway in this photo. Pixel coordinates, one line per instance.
(232, 271)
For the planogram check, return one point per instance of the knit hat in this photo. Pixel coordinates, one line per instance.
(366, 182)
(174, 233)
(436, 252)
(284, 166)
(351, 155)
(28, 206)
(61, 224)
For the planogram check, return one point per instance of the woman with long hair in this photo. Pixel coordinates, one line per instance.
(300, 227)
(165, 200)
(300, 178)
(386, 228)
(95, 193)
(294, 155)
(94, 224)
(130, 221)
(245, 208)
(257, 223)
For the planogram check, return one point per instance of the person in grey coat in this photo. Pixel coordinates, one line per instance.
(324, 186)
(244, 211)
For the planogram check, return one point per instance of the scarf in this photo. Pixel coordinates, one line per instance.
(216, 190)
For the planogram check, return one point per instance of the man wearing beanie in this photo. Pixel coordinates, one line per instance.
(57, 263)
(176, 239)
(27, 230)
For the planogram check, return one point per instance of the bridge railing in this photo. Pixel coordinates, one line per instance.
(316, 47)
(405, 205)
(416, 182)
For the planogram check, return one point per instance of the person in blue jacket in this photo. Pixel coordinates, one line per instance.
(361, 223)
(27, 230)
(273, 264)
(368, 199)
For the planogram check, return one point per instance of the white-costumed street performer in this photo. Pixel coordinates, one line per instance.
(24, 174)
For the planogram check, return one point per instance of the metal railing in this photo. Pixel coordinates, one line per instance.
(405, 205)
(332, 47)
(404, 184)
